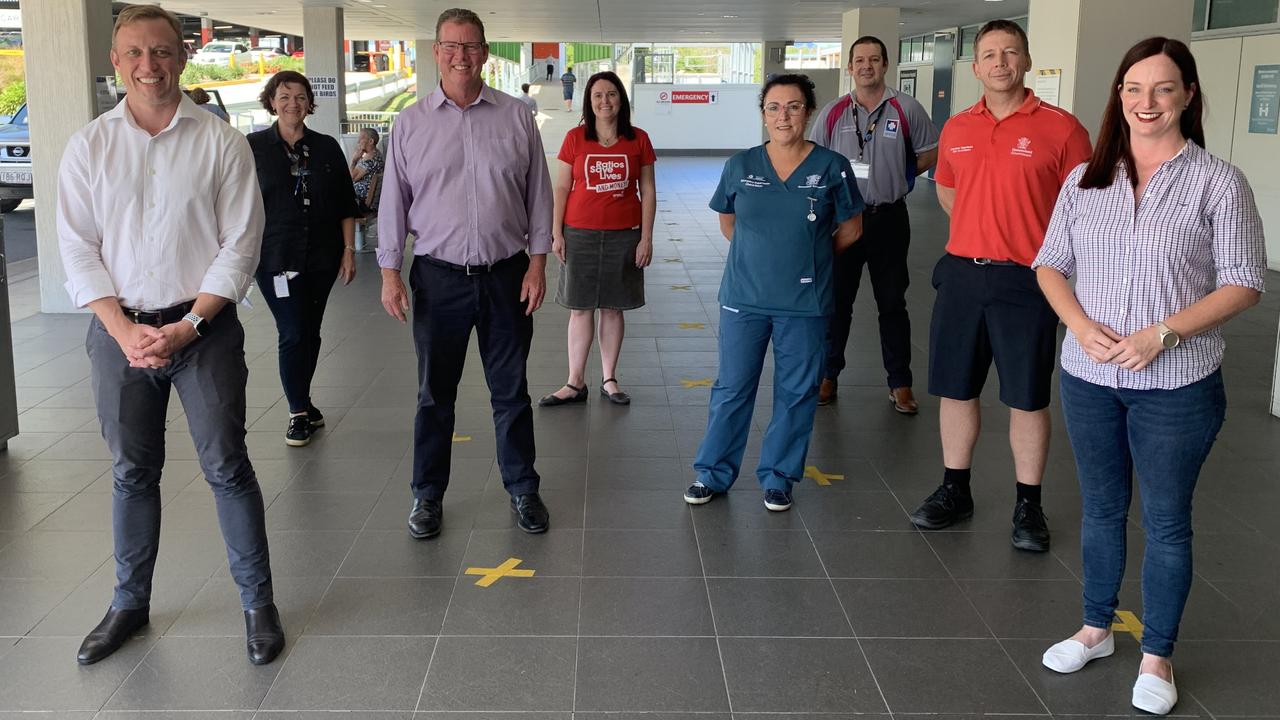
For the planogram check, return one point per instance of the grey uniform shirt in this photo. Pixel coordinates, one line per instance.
(884, 151)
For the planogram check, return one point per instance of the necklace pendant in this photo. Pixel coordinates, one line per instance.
(812, 217)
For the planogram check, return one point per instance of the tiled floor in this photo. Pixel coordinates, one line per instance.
(639, 604)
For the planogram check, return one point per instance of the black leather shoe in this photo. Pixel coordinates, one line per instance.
(264, 635)
(425, 519)
(579, 395)
(531, 514)
(1030, 531)
(946, 506)
(116, 627)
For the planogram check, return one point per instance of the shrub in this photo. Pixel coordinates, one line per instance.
(286, 63)
(13, 97)
(206, 73)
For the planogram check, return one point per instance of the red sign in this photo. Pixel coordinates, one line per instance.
(691, 97)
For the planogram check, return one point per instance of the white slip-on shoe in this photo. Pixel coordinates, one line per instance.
(1069, 656)
(1153, 694)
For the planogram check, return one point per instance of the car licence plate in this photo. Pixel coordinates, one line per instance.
(16, 177)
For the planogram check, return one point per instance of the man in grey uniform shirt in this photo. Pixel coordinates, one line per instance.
(888, 139)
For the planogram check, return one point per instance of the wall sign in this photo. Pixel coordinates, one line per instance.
(324, 86)
(1264, 106)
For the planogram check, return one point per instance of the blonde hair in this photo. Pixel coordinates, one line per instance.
(139, 13)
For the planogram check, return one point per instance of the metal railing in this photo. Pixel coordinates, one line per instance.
(358, 120)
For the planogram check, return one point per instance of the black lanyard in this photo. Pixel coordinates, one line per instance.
(864, 138)
(300, 168)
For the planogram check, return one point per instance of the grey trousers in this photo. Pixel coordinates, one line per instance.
(210, 375)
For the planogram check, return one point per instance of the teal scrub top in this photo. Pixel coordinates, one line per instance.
(780, 261)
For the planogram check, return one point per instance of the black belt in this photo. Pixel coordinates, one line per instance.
(882, 207)
(469, 269)
(989, 261)
(157, 318)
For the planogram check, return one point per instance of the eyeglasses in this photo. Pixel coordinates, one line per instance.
(792, 108)
(471, 48)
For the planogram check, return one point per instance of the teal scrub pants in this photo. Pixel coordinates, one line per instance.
(798, 347)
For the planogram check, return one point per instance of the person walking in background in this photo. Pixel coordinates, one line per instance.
(309, 238)
(602, 231)
(527, 99)
(1166, 244)
(567, 82)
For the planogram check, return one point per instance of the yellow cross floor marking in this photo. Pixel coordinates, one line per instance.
(675, 240)
(704, 382)
(461, 438)
(493, 574)
(1128, 623)
(692, 326)
(812, 472)
(681, 287)
(672, 260)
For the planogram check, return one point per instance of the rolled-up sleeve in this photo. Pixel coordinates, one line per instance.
(1056, 252)
(79, 238)
(240, 219)
(538, 199)
(1239, 246)
(394, 200)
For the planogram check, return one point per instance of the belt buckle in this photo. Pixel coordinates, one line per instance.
(982, 261)
(467, 270)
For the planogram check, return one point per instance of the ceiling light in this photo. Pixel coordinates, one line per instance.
(728, 17)
(222, 27)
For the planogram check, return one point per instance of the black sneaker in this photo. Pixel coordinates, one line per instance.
(777, 500)
(1030, 532)
(299, 432)
(946, 506)
(697, 494)
(316, 418)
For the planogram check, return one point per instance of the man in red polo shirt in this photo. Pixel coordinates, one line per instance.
(1001, 164)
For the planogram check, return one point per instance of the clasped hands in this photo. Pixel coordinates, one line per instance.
(1105, 345)
(150, 347)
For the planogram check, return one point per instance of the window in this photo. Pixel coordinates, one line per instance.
(917, 49)
(967, 36)
(1199, 14)
(904, 50)
(1238, 13)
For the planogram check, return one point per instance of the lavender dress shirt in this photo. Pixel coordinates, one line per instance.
(470, 184)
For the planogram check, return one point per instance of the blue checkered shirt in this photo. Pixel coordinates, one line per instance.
(1196, 230)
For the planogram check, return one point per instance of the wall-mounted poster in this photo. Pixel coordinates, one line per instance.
(1264, 106)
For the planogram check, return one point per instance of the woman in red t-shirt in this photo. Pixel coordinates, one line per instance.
(602, 231)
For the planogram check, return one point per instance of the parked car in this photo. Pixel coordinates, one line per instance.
(219, 52)
(297, 54)
(370, 61)
(15, 161)
(266, 52)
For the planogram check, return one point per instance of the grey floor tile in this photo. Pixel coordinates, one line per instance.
(352, 673)
(555, 552)
(637, 510)
(1229, 678)
(382, 606)
(328, 715)
(644, 473)
(641, 553)
(42, 674)
(175, 715)
(1043, 609)
(650, 674)
(320, 511)
(55, 555)
(306, 554)
(852, 511)
(833, 676)
(215, 611)
(196, 674)
(395, 554)
(343, 475)
(788, 607)
(21, 511)
(962, 676)
(501, 673)
(877, 555)
(924, 608)
(645, 606)
(23, 603)
(81, 610)
(744, 552)
(53, 476)
(514, 606)
(741, 510)
(391, 512)
(990, 556)
(565, 507)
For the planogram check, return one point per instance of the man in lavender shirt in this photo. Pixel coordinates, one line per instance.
(466, 176)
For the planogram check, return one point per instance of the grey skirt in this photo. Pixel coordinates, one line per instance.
(600, 270)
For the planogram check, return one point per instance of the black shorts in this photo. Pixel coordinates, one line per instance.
(986, 312)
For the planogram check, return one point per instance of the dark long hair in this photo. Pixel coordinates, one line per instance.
(624, 107)
(1113, 139)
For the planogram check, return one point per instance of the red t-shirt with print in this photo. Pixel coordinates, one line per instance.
(606, 180)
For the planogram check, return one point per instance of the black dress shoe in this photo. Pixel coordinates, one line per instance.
(264, 635)
(425, 519)
(1030, 531)
(531, 514)
(115, 628)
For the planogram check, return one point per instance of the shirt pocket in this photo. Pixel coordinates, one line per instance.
(502, 158)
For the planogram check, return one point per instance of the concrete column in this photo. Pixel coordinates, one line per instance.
(425, 70)
(206, 31)
(774, 61)
(1086, 39)
(60, 94)
(880, 22)
(322, 34)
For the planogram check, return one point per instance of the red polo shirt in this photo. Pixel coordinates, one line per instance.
(1007, 174)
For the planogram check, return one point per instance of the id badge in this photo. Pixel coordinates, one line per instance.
(861, 170)
(281, 283)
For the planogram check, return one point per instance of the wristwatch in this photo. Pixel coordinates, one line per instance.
(1168, 338)
(197, 322)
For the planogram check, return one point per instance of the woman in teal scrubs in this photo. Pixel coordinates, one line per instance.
(787, 208)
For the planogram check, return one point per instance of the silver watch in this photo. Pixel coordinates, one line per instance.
(1168, 338)
(197, 322)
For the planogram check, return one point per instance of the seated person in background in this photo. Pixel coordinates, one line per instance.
(366, 164)
(202, 99)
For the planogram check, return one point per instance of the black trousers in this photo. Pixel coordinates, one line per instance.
(298, 318)
(886, 237)
(447, 304)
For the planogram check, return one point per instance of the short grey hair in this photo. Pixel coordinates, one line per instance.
(461, 16)
(371, 133)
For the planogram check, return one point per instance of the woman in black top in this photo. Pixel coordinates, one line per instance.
(309, 237)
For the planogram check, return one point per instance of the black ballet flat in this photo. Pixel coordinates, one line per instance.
(579, 395)
(618, 398)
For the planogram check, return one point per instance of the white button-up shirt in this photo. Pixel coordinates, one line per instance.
(1196, 229)
(154, 221)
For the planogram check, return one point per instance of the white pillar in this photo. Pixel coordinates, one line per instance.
(61, 104)
(426, 72)
(774, 61)
(322, 34)
(880, 22)
(1085, 40)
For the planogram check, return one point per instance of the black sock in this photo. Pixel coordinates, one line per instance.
(959, 479)
(1030, 493)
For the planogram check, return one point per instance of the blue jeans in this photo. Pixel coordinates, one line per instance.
(1164, 436)
(798, 349)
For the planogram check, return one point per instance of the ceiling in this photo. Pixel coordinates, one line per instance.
(605, 20)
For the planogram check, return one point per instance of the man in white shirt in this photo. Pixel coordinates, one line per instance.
(159, 225)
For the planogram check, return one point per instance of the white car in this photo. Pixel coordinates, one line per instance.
(219, 52)
(267, 53)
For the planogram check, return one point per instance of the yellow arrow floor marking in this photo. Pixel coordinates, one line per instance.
(461, 438)
(704, 382)
(1128, 623)
(493, 574)
(812, 472)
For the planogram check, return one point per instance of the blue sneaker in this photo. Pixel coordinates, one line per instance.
(698, 494)
(777, 500)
